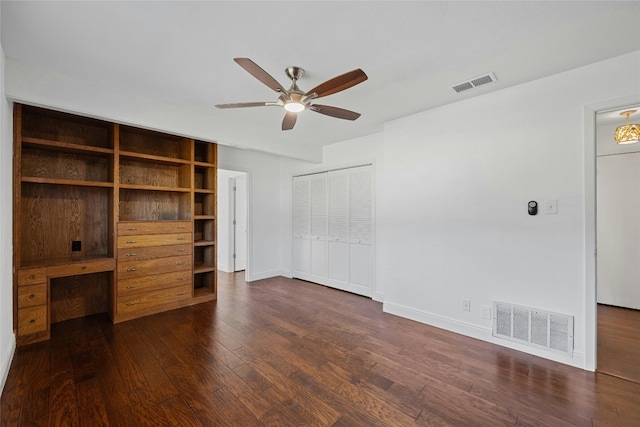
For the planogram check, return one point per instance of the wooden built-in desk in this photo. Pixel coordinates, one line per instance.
(40, 303)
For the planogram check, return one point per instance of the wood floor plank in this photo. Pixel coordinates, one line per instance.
(63, 407)
(91, 408)
(283, 352)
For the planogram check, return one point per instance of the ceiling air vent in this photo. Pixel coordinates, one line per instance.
(475, 82)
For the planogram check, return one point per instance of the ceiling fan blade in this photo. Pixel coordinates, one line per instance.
(289, 120)
(340, 113)
(339, 83)
(245, 104)
(260, 74)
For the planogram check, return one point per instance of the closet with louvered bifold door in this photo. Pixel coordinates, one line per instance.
(333, 229)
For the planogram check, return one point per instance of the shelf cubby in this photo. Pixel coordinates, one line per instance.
(153, 205)
(48, 164)
(205, 153)
(147, 173)
(145, 142)
(52, 216)
(39, 123)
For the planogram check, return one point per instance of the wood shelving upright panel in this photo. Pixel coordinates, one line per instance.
(204, 224)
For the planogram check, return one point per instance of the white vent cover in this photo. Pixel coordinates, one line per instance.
(537, 328)
(475, 82)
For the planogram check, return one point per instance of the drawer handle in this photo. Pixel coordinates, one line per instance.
(132, 254)
(131, 287)
(181, 227)
(180, 278)
(131, 229)
(32, 321)
(84, 267)
(132, 302)
(181, 238)
(180, 250)
(32, 296)
(132, 241)
(180, 263)
(32, 276)
(181, 293)
(131, 269)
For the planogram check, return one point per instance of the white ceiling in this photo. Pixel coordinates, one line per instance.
(181, 53)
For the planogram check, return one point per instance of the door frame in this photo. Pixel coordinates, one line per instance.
(590, 241)
(249, 242)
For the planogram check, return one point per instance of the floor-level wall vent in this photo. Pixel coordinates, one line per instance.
(537, 328)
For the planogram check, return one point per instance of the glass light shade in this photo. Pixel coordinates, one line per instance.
(294, 107)
(628, 133)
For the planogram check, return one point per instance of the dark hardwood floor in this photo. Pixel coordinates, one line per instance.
(619, 342)
(281, 352)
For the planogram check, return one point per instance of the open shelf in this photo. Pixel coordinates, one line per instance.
(145, 142)
(39, 123)
(46, 144)
(153, 205)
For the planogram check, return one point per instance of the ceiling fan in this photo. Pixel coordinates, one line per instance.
(295, 100)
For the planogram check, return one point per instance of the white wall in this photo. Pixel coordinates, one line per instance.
(268, 210)
(7, 338)
(452, 218)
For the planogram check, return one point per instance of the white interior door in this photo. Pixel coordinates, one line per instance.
(240, 223)
(618, 230)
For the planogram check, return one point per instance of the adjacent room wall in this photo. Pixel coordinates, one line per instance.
(7, 338)
(268, 208)
(452, 218)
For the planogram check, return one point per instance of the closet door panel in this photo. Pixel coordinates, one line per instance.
(319, 258)
(360, 257)
(339, 262)
(301, 256)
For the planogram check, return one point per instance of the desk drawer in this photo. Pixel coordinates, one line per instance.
(150, 252)
(32, 320)
(153, 299)
(75, 269)
(29, 296)
(31, 276)
(136, 285)
(153, 227)
(154, 240)
(131, 269)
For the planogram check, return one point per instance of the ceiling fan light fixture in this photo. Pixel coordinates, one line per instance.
(294, 107)
(628, 133)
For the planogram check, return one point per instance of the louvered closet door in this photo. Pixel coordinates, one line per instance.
(333, 229)
(338, 241)
(319, 224)
(301, 226)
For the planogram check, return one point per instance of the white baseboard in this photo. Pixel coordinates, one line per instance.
(268, 274)
(5, 363)
(478, 332)
(224, 268)
(378, 296)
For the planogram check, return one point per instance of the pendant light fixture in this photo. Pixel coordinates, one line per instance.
(629, 133)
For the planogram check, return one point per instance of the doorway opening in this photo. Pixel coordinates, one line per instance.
(232, 221)
(618, 249)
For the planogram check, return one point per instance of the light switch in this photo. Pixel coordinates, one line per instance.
(551, 206)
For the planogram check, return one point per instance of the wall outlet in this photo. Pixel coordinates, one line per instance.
(486, 312)
(466, 305)
(76, 245)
